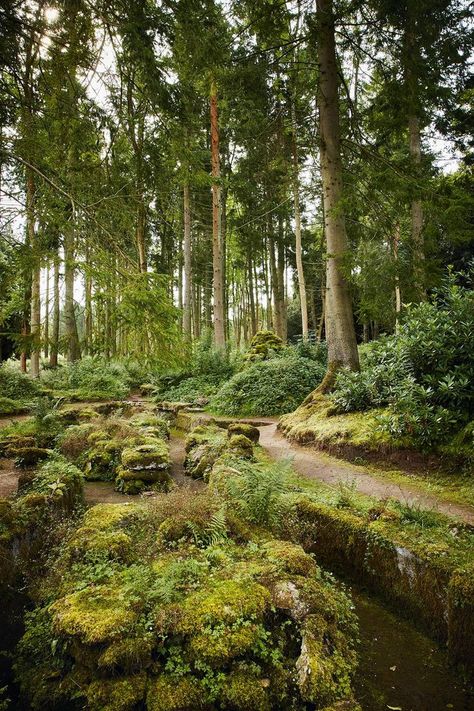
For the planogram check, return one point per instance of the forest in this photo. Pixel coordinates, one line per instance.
(236, 355)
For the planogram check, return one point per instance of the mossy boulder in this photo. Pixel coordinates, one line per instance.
(28, 456)
(152, 455)
(11, 442)
(102, 460)
(200, 622)
(243, 428)
(262, 345)
(240, 446)
(151, 424)
(11, 407)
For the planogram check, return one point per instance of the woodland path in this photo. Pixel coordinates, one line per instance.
(314, 464)
(307, 461)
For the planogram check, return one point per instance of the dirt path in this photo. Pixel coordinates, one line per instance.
(9, 475)
(317, 465)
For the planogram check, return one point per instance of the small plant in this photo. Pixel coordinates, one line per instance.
(346, 494)
(257, 492)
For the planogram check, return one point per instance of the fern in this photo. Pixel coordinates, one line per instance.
(258, 491)
(214, 533)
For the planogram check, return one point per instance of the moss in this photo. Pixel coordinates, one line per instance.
(242, 428)
(102, 460)
(130, 654)
(317, 423)
(109, 516)
(75, 415)
(152, 455)
(157, 426)
(170, 693)
(240, 446)
(290, 557)
(11, 407)
(461, 616)
(12, 441)
(28, 456)
(87, 542)
(262, 344)
(94, 615)
(122, 694)
(228, 602)
(244, 691)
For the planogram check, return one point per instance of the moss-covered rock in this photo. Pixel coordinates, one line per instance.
(11, 407)
(102, 460)
(152, 455)
(184, 622)
(151, 424)
(240, 446)
(262, 345)
(243, 428)
(28, 456)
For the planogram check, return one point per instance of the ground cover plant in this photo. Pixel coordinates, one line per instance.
(91, 379)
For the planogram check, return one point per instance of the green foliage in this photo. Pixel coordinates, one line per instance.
(269, 387)
(17, 385)
(257, 491)
(188, 625)
(208, 367)
(92, 378)
(424, 372)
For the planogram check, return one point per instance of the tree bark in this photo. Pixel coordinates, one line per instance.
(88, 304)
(35, 276)
(187, 249)
(217, 250)
(340, 331)
(46, 313)
(417, 216)
(53, 358)
(298, 245)
(73, 348)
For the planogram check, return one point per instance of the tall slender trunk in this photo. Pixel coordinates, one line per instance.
(250, 285)
(53, 358)
(217, 247)
(46, 313)
(73, 348)
(398, 297)
(281, 268)
(88, 304)
(298, 246)
(417, 216)
(140, 233)
(35, 276)
(187, 249)
(340, 331)
(274, 287)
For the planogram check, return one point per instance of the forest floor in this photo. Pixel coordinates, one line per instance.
(424, 491)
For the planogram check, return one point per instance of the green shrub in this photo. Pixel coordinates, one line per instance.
(16, 385)
(90, 378)
(207, 369)
(269, 387)
(424, 373)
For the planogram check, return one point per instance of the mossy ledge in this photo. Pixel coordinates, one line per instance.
(357, 434)
(427, 576)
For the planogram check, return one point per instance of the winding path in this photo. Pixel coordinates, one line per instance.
(314, 464)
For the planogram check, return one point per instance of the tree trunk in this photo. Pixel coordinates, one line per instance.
(217, 251)
(88, 305)
(417, 210)
(35, 276)
(298, 246)
(73, 348)
(53, 359)
(398, 298)
(46, 314)
(187, 247)
(281, 264)
(340, 331)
